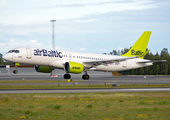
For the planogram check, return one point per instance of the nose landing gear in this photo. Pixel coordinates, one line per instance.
(16, 71)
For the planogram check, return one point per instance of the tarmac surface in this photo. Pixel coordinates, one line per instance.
(84, 90)
(96, 79)
(93, 80)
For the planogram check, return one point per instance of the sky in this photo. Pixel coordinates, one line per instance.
(92, 26)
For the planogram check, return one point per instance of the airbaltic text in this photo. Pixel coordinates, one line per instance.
(76, 68)
(133, 52)
(49, 53)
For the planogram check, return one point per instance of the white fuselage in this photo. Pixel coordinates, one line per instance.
(57, 59)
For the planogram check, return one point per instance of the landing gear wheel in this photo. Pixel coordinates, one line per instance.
(85, 77)
(15, 71)
(67, 76)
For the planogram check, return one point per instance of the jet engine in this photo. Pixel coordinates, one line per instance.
(43, 69)
(73, 67)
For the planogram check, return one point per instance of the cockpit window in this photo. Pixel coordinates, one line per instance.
(16, 51)
(10, 51)
(13, 51)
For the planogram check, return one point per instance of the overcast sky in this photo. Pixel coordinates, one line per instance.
(97, 26)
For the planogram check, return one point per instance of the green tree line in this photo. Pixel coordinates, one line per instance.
(160, 68)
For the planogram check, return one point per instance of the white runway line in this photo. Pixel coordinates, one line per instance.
(84, 90)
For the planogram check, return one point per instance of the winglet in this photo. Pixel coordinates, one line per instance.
(139, 48)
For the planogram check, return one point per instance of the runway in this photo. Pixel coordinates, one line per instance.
(84, 90)
(93, 80)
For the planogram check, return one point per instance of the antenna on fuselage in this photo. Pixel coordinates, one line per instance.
(53, 35)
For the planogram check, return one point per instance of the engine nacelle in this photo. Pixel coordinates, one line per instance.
(73, 67)
(43, 69)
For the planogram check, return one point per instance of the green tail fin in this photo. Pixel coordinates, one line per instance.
(139, 48)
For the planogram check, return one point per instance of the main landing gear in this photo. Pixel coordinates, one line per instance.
(84, 77)
(67, 76)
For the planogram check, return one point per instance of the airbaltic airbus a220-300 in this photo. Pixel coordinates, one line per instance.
(76, 62)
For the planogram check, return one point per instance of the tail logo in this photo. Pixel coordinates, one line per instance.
(137, 53)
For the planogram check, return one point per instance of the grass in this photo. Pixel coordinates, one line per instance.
(86, 106)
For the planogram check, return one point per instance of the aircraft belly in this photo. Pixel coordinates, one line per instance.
(57, 64)
(121, 66)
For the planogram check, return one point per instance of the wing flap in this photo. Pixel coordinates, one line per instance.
(105, 62)
(151, 61)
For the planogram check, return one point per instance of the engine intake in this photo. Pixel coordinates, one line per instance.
(73, 67)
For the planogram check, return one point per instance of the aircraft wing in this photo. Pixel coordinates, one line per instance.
(105, 62)
(151, 61)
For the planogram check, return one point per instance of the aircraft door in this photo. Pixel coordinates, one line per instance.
(28, 56)
(124, 64)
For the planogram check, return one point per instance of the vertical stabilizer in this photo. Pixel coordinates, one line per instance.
(139, 48)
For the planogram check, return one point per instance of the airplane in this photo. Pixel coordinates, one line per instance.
(76, 62)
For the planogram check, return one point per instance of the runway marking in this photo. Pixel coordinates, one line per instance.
(83, 90)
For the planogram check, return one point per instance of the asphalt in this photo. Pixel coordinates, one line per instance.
(83, 90)
(93, 80)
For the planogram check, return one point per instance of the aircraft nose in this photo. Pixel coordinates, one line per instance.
(7, 57)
